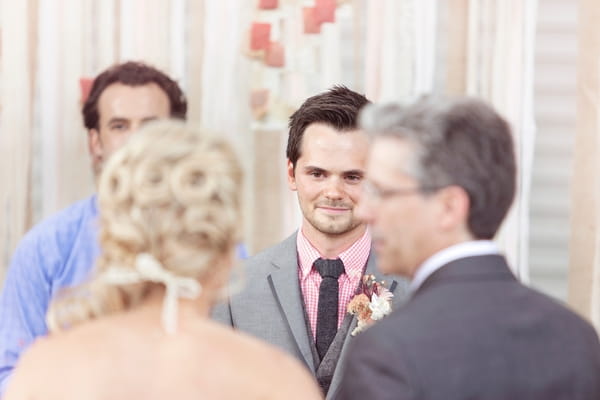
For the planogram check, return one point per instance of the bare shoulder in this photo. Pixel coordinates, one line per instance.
(287, 377)
(49, 359)
(35, 365)
(264, 369)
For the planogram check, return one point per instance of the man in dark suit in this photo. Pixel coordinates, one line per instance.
(290, 298)
(440, 180)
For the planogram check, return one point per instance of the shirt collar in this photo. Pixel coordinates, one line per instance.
(354, 258)
(449, 254)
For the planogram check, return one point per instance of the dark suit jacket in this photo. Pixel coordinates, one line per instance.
(271, 307)
(473, 332)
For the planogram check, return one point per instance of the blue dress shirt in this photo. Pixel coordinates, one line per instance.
(58, 252)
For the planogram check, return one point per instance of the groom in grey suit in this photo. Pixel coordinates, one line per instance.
(441, 177)
(296, 293)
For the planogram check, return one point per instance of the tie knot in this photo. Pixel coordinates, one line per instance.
(330, 268)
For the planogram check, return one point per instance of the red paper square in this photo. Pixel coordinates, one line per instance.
(259, 36)
(311, 25)
(325, 10)
(85, 86)
(268, 4)
(275, 56)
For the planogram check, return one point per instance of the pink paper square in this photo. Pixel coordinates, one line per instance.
(325, 10)
(268, 4)
(311, 25)
(85, 86)
(275, 56)
(259, 36)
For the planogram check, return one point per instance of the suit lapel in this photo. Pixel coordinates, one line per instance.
(283, 280)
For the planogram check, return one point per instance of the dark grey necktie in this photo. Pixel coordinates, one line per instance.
(327, 313)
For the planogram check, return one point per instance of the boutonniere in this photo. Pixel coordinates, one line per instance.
(372, 302)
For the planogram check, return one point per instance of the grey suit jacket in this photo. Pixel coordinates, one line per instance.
(271, 307)
(472, 331)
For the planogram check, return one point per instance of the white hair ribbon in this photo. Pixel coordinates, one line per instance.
(148, 268)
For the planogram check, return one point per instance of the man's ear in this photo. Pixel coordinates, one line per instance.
(455, 205)
(94, 143)
(291, 177)
(95, 149)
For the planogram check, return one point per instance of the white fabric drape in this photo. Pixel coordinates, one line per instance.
(501, 44)
(145, 31)
(401, 49)
(15, 135)
(225, 79)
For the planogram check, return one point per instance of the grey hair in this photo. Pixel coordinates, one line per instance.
(457, 141)
(416, 124)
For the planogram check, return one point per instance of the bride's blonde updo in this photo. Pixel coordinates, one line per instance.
(170, 192)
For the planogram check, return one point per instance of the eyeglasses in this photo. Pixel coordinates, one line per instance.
(376, 193)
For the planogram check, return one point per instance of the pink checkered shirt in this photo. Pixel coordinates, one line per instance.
(354, 259)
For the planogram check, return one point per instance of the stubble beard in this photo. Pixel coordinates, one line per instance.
(333, 226)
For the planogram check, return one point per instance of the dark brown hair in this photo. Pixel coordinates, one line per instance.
(337, 107)
(132, 74)
(461, 142)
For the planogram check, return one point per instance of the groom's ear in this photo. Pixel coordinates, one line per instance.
(291, 175)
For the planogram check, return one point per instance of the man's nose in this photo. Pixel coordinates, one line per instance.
(334, 188)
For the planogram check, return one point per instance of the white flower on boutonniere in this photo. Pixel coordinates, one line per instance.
(372, 303)
(380, 305)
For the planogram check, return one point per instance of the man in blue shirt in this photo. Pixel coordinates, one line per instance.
(60, 251)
